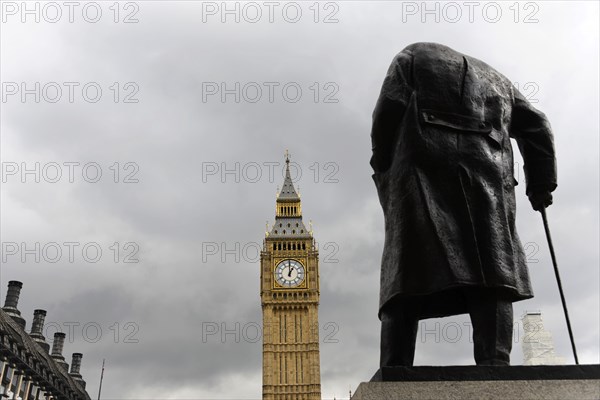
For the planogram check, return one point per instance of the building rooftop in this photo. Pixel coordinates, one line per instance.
(29, 355)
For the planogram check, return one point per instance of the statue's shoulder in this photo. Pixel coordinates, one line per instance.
(431, 53)
(425, 54)
(426, 46)
(430, 48)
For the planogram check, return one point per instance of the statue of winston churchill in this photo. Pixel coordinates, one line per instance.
(443, 168)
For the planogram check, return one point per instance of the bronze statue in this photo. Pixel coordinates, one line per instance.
(443, 167)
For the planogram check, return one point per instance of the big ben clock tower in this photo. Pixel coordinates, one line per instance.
(289, 292)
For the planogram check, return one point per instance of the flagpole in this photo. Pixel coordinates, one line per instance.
(101, 377)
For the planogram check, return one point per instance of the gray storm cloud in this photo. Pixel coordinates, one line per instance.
(201, 151)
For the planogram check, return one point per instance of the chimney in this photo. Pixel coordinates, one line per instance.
(12, 301)
(57, 348)
(75, 366)
(37, 327)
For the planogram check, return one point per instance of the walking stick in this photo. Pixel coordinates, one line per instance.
(560, 289)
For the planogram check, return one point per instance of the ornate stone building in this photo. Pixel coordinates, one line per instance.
(538, 345)
(289, 281)
(28, 369)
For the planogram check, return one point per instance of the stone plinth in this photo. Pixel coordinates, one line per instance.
(577, 382)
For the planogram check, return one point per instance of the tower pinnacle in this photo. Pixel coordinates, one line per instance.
(288, 192)
(288, 209)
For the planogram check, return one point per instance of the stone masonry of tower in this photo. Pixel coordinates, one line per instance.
(290, 299)
(538, 345)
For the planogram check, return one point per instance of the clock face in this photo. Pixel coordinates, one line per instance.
(289, 273)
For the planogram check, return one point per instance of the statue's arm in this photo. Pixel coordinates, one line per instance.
(533, 134)
(389, 110)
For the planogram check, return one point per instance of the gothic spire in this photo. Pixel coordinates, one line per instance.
(288, 210)
(288, 192)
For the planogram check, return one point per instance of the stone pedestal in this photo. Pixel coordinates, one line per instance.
(577, 382)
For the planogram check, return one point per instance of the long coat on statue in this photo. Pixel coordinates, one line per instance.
(443, 166)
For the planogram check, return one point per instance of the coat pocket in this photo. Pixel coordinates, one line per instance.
(463, 124)
(458, 122)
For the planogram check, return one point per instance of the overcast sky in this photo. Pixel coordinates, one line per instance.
(189, 176)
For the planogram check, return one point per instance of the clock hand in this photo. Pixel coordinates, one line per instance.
(289, 269)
